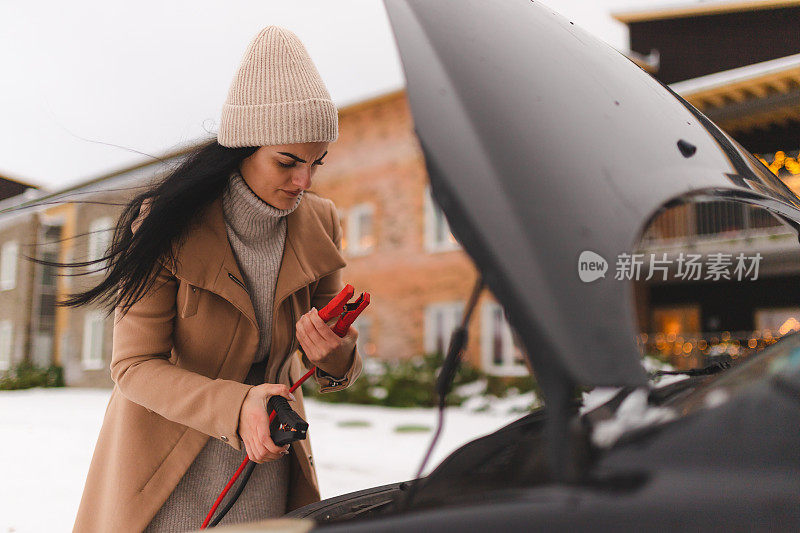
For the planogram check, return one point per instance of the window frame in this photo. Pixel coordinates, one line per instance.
(453, 311)
(9, 259)
(364, 324)
(353, 228)
(6, 359)
(87, 360)
(343, 224)
(508, 368)
(100, 228)
(432, 245)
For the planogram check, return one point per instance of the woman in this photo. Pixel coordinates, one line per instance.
(215, 276)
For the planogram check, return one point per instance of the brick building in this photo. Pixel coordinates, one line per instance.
(81, 338)
(16, 275)
(68, 225)
(16, 280)
(396, 243)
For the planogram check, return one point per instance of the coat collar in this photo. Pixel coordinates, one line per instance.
(205, 258)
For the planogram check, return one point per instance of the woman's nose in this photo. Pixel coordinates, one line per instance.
(302, 177)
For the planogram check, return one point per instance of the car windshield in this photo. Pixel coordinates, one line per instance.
(780, 358)
(713, 284)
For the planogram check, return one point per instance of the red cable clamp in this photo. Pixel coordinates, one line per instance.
(347, 312)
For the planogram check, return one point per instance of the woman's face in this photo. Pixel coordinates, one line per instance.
(277, 173)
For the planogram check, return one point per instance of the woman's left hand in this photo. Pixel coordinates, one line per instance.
(324, 348)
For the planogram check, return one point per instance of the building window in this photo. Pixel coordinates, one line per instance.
(783, 320)
(6, 343)
(364, 326)
(69, 257)
(440, 321)
(93, 329)
(438, 237)
(343, 222)
(501, 354)
(100, 235)
(8, 265)
(361, 229)
(677, 320)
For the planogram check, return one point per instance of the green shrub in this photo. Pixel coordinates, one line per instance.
(25, 375)
(354, 424)
(500, 386)
(412, 428)
(411, 383)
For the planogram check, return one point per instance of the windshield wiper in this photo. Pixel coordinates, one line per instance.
(714, 368)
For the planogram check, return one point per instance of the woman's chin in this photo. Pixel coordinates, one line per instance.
(280, 203)
(286, 202)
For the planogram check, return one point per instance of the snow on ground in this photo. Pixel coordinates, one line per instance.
(49, 436)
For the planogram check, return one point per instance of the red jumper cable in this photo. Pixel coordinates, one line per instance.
(347, 313)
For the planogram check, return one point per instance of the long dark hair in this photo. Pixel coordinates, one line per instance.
(175, 203)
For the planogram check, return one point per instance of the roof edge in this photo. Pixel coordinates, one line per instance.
(700, 9)
(360, 105)
(136, 166)
(20, 181)
(737, 75)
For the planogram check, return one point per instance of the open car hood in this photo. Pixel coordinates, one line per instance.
(542, 142)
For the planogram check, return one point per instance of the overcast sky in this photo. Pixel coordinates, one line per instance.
(78, 77)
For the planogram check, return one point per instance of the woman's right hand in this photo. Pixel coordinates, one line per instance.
(254, 423)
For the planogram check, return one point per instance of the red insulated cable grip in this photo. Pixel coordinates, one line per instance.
(336, 306)
(347, 312)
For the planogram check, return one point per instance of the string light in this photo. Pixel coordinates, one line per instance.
(781, 161)
(692, 350)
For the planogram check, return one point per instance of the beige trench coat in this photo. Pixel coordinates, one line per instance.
(181, 354)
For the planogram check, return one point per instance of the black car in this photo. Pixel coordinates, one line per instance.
(541, 143)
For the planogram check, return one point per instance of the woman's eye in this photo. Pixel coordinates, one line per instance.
(286, 165)
(319, 163)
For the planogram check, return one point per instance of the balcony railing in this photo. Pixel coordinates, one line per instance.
(686, 224)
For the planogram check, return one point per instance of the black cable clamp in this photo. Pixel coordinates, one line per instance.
(287, 426)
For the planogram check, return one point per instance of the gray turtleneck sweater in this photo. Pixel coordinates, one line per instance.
(257, 233)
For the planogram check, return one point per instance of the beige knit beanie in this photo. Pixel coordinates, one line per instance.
(277, 96)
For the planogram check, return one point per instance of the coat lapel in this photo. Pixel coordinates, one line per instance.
(309, 252)
(206, 259)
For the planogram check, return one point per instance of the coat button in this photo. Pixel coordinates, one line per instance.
(194, 289)
(224, 438)
(311, 460)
